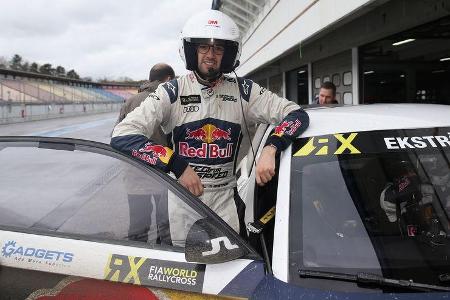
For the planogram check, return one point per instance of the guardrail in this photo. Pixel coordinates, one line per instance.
(11, 112)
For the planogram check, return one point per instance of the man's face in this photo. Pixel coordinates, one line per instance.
(326, 96)
(209, 59)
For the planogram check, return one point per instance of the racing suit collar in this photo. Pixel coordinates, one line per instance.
(208, 82)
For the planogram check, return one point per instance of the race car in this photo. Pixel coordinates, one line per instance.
(359, 207)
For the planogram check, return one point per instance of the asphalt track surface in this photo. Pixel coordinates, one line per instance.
(96, 127)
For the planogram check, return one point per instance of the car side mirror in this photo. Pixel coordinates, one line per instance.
(206, 243)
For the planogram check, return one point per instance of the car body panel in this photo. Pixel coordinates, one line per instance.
(281, 230)
(120, 263)
(272, 288)
(328, 124)
(30, 285)
(39, 265)
(330, 120)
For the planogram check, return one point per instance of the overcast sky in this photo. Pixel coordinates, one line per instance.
(97, 38)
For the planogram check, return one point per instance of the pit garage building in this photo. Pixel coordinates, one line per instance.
(374, 51)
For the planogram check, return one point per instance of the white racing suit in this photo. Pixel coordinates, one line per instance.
(205, 126)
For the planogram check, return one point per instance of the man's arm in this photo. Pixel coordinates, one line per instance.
(291, 119)
(131, 136)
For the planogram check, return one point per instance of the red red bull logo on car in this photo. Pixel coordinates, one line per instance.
(151, 153)
(208, 134)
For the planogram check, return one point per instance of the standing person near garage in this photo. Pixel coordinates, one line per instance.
(207, 112)
(140, 193)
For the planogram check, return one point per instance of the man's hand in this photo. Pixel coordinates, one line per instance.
(190, 180)
(265, 168)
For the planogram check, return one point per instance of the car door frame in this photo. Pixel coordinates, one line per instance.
(280, 250)
(129, 248)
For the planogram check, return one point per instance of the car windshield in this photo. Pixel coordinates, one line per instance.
(374, 202)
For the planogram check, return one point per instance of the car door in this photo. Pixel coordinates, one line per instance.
(246, 172)
(261, 200)
(80, 218)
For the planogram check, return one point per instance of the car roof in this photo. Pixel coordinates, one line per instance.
(339, 119)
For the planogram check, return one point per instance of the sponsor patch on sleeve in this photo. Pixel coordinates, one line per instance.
(245, 88)
(171, 88)
(152, 152)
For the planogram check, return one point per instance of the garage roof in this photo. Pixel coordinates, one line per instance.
(243, 12)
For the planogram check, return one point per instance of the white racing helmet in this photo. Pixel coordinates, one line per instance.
(206, 26)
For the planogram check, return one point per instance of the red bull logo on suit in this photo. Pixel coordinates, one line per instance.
(208, 134)
(206, 150)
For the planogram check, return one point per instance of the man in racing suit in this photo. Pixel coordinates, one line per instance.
(205, 113)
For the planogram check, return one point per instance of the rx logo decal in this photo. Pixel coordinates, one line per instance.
(215, 243)
(134, 267)
(118, 266)
(312, 144)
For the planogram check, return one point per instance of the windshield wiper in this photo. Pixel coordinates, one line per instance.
(370, 278)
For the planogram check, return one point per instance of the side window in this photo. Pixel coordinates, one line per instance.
(88, 194)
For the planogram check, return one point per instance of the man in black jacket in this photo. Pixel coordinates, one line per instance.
(159, 73)
(140, 193)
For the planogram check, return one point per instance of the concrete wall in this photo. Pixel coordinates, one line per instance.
(16, 113)
(288, 23)
(333, 69)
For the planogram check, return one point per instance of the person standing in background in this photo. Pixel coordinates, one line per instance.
(327, 94)
(159, 73)
(142, 194)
